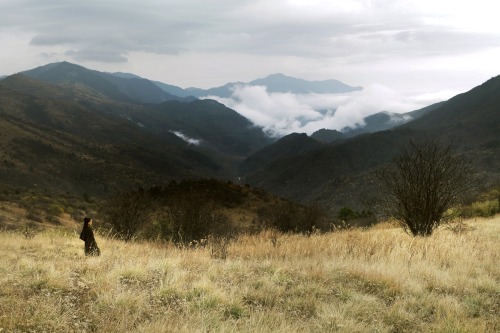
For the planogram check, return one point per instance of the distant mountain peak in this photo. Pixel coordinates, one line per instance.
(277, 75)
(275, 83)
(62, 64)
(118, 86)
(282, 83)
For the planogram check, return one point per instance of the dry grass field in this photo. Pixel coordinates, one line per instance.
(377, 280)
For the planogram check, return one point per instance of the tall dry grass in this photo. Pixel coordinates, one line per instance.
(379, 280)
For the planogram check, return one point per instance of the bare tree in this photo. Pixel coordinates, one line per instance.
(126, 212)
(287, 216)
(188, 218)
(423, 183)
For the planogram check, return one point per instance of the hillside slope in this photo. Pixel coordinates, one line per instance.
(294, 144)
(53, 140)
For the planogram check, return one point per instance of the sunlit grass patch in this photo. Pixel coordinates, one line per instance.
(377, 280)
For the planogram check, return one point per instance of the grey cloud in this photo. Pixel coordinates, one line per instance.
(94, 54)
(207, 43)
(255, 27)
(117, 28)
(51, 40)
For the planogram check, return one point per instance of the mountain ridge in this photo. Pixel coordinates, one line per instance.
(278, 83)
(124, 89)
(282, 83)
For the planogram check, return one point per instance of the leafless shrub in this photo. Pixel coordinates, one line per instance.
(291, 217)
(221, 235)
(423, 183)
(185, 219)
(28, 231)
(126, 213)
(458, 226)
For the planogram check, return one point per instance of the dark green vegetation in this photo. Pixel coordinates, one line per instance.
(70, 131)
(194, 211)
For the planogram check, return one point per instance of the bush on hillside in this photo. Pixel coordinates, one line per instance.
(126, 213)
(186, 219)
(193, 211)
(422, 183)
(291, 217)
(485, 208)
(180, 213)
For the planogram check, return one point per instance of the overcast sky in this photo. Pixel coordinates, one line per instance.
(419, 48)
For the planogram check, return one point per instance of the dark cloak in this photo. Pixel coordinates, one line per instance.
(87, 235)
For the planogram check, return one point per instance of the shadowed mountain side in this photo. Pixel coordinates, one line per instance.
(63, 146)
(328, 136)
(291, 145)
(314, 176)
(221, 133)
(471, 121)
(341, 174)
(477, 109)
(377, 122)
(382, 121)
(215, 126)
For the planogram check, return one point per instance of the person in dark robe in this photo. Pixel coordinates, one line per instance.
(87, 235)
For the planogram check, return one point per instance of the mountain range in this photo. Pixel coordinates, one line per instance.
(273, 83)
(131, 88)
(65, 128)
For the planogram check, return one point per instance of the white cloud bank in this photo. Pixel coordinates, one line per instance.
(184, 137)
(284, 113)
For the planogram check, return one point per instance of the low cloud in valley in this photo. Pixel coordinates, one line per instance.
(284, 113)
(186, 138)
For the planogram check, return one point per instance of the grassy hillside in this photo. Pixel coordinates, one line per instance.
(379, 280)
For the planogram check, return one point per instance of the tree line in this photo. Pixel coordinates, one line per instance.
(418, 187)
